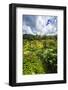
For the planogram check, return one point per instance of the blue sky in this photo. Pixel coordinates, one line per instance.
(39, 25)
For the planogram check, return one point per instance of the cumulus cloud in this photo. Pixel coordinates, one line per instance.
(27, 30)
(40, 25)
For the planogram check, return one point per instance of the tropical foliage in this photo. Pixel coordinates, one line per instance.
(39, 54)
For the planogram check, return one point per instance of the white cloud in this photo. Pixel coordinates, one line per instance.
(41, 27)
(40, 23)
(27, 30)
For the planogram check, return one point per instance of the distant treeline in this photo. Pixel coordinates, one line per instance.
(31, 37)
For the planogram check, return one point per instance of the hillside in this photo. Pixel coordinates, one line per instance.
(39, 54)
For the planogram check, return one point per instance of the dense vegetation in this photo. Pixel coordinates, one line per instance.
(39, 54)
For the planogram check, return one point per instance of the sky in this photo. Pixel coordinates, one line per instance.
(39, 25)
